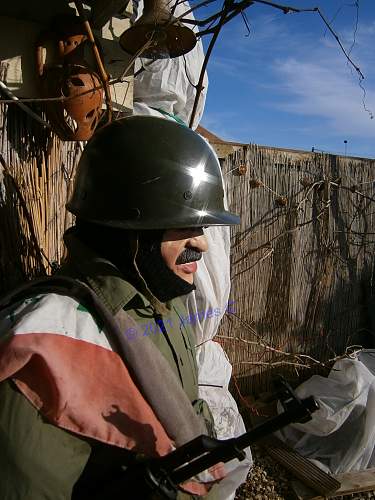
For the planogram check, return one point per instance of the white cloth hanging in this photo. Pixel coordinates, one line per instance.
(164, 86)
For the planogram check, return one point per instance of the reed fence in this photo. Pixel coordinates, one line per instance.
(36, 170)
(302, 262)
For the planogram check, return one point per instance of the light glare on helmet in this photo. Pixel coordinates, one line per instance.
(198, 174)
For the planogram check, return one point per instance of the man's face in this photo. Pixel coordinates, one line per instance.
(181, 248)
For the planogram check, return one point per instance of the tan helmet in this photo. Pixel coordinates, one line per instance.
(65, 74)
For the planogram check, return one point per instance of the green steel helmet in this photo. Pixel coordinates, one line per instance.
(144, 172)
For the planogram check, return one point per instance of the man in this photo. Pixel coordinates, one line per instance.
(98, 367)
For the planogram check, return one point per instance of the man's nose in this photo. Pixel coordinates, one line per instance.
(199, 242)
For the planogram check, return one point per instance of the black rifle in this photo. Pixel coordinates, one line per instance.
(159, 478)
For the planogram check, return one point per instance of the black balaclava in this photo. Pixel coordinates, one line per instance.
(119, 247)
(161, 280)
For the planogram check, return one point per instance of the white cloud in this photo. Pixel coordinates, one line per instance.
(292, 73)
(319, 82)
(229, 66)
(220, 122)
(329, 92)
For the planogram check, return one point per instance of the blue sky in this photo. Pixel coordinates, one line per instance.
(289, 85)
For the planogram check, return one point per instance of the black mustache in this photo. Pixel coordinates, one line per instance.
(188, 255)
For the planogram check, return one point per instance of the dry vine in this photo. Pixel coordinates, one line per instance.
(213, 25)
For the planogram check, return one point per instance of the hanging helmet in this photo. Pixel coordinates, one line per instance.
(65, 74)
(145, 172)
(76, 118)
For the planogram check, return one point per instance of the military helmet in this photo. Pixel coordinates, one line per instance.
(144, 172)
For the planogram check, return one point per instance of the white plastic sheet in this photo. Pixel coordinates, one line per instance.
(166, 85)
(214, 369)
(214, 376)
(212, 297)
(341, 435)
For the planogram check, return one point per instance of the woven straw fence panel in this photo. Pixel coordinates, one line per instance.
(301, 262)
(36, 171)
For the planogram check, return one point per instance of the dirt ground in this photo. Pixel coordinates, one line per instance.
(267, 480)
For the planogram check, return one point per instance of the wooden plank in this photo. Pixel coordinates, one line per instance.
(315, 478)
(306, 471)
(351, 482)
